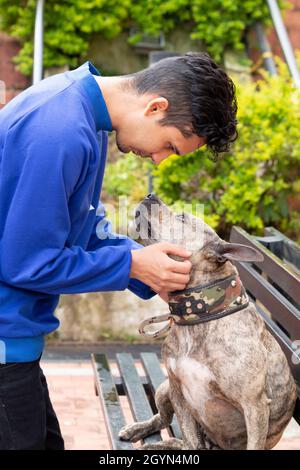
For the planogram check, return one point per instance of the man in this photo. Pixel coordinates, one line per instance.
(53, 143)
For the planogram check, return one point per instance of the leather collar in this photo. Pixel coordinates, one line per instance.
(208, 302)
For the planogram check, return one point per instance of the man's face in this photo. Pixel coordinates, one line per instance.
(143, 135)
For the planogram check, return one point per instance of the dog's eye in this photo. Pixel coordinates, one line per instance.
(180, 216)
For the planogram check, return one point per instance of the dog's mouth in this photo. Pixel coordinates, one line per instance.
(140, 222)
(144, 229)
(155, 222)
(148, 219)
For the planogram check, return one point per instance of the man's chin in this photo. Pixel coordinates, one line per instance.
(123, 149)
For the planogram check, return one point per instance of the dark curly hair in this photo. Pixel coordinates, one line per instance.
(201, 97)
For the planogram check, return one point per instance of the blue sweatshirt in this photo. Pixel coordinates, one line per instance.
(53, 144)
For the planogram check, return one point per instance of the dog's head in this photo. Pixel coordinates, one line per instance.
(155, 222)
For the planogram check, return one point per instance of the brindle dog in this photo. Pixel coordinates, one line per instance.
(229, 383)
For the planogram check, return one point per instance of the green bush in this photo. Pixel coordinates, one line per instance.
(69, 24)
(255, 185)
(128, 176)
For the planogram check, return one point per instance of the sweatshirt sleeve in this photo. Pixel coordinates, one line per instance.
(102, 235)
(34, 254)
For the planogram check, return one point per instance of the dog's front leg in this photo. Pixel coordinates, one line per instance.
(137, 431)
(256, 415)
(192, 433)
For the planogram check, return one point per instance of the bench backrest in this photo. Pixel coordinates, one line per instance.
(282, 246)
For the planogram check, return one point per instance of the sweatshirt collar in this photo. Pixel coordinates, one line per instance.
(84, 74)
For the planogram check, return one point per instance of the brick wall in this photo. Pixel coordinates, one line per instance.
(12, 82)
(292, 22)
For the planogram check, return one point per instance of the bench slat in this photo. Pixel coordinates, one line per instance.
(156, 376)
(281, 309)
(114, 418)
(290, 250)
(137, 397)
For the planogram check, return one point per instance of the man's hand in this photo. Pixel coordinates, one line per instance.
(154, 267)
(164, 295)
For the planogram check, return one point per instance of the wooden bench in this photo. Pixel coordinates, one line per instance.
(274, 285)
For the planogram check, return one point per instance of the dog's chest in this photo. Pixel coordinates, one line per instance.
(194, 378)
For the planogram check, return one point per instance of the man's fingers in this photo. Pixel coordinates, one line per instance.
(173, 249)
(180, 266)
(179, 279)
(174, 282)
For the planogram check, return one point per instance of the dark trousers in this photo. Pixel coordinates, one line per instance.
(27, 418)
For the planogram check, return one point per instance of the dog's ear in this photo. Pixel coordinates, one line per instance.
(237, 252)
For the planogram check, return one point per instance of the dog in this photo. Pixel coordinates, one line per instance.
(229, 383)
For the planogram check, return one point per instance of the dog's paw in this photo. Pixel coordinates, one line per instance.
(132, 432)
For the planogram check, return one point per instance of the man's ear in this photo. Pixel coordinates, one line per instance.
(156, 106)
(236, 252)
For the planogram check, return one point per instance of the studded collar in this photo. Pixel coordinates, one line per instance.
(208, 302)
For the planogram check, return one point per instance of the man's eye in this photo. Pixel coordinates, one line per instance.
(181, 216)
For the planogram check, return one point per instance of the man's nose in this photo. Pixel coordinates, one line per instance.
(159, 157)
